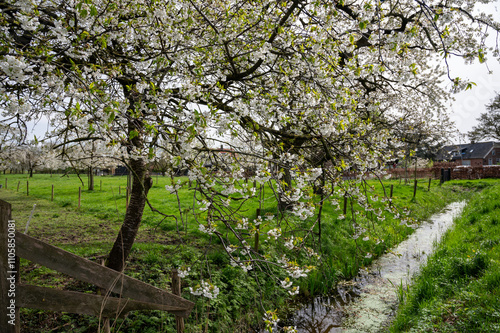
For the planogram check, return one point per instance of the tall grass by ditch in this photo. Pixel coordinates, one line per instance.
(459, 288)
(343, 256)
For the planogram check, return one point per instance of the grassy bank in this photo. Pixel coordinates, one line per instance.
(90, 230)
(459, 288)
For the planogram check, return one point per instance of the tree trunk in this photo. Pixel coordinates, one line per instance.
(283, 203)
(91, 179)
(142, 182)
(406, 170)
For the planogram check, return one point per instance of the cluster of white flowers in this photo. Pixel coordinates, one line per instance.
(271, 320)
(358, 231)
(184, 271)
(14, 67)
(294, 291)
(231, 248)
(235, 261)
(296, 271)
(303, 210)
(205, 289)
(276, 232)
(262, 175)
(206, 204)
(243, 224)
(28, 23)
(315, 173)
(173, 188)
(286, 283)
(258, 221)
(289, 243)
(246, 266)
(207, 229)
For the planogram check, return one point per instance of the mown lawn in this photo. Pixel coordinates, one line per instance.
(459, 288)
(90, 230)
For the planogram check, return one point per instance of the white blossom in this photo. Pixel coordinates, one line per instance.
(206, 289)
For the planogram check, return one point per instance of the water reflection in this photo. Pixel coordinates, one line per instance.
(322, 315)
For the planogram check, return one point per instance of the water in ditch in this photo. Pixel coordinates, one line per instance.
(367, 303)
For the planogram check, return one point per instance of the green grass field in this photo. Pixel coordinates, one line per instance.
(90, 230)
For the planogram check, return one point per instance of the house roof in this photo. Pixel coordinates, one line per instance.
(467, 151)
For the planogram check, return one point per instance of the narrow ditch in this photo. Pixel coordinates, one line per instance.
(368, 302)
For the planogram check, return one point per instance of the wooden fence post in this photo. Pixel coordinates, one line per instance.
(6, 179)
(414, 188)
(100, 185)
(119, 190)
(9, 265)
(126, 198)
(176, 290)
(345, 204)
(79, 196)
(429, 186)
(18, 183)
(27, 187)
(52, 195)
(105, 320)
(257, 232)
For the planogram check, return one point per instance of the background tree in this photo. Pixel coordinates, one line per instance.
(489, 123)
(88, 156)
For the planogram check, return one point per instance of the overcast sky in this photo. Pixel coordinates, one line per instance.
(471, 103)
(468, 105)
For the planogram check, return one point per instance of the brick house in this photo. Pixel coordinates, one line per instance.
(473, 154)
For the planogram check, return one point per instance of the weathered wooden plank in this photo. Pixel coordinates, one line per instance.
(87, 271)
(9, 314)
(75, 302)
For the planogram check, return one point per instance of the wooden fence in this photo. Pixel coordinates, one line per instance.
(410, 173)
(456, 172)
(481, 172)
(133, 294)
